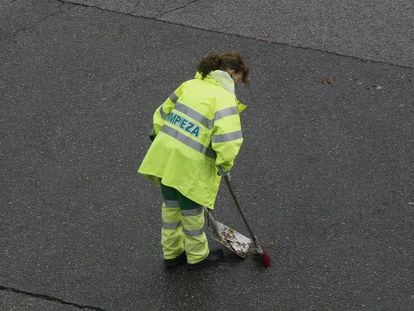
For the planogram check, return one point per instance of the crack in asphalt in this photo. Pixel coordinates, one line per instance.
(37, 23)
(49, 298)
(255, 38)
(176, 9)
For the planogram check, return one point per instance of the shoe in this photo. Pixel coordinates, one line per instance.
(213, 257)
(180, 260)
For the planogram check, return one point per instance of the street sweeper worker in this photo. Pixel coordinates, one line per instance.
(196, 138)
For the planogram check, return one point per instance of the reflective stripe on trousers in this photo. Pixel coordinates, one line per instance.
(172, 238)
(183, 230)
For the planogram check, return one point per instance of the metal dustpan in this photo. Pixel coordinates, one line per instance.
(230, 238)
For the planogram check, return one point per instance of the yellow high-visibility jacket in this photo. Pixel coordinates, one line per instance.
(197, 128)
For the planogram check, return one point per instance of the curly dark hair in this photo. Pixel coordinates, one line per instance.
(224, 61)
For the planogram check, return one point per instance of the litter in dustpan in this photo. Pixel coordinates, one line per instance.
(230, 238)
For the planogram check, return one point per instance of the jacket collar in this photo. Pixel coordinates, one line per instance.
(218, 77)
(223, 79)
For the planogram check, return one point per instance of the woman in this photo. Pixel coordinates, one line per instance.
(197, 135)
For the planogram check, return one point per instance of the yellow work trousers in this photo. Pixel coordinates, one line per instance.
(182, 227)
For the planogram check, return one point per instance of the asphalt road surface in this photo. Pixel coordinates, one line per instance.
(325, 175)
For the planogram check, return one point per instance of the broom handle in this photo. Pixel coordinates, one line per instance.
(212, 221)
(226, 179)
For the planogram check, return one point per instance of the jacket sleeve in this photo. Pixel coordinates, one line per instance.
(227, 139)
(162, 112)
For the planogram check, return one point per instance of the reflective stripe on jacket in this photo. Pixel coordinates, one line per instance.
(197, 128)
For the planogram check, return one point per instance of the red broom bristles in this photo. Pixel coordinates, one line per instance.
(266, 260)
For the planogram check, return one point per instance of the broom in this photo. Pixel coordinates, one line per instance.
(266, 260)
